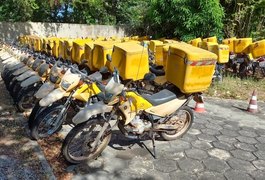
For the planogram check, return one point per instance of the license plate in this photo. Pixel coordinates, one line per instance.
(262, 64)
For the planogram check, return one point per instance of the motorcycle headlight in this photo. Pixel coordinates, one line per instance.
(65, 85)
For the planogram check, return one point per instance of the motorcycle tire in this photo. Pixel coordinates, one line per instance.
(70, 141)
(34, 113)
(44, 118)
(157, 71)
(26, 95)
(169, 136)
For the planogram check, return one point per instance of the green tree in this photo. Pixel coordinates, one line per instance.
(17, 10)
(244, 18)
(186, 19)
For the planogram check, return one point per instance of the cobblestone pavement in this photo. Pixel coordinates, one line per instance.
(224, 143)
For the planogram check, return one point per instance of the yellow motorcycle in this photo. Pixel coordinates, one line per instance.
(164, 113)
(75, 91)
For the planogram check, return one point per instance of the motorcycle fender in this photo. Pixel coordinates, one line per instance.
(6, 58)
(14, 65)
(53, 96)
(21, 70)
(3, 54)
(10, 62)
(30, 81)
(94, 109)
(26, 75)
(44, 90)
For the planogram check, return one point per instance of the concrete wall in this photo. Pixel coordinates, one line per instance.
(10, 31)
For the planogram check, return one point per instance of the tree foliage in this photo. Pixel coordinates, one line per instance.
(184, 19)
(244, 18)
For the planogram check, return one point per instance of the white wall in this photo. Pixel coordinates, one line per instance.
(13, 30)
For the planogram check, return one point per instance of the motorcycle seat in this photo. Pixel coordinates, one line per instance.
(160, 97)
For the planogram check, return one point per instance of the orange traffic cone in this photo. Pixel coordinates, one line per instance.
(199, 107)
(253, 105)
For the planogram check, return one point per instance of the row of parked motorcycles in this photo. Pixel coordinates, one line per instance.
(58, 92)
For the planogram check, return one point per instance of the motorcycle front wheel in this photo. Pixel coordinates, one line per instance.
(47, 122)
(34, 113)
(77, 146)
(183, 118)
(26, 101)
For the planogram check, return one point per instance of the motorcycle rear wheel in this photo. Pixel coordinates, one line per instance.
(186, 117)
(77, 144)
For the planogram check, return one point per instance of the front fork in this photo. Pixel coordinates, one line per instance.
(66, 106)
(103, 129)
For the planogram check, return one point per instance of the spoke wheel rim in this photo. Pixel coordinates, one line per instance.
(79, 148)
(183, 120)
(46, 126)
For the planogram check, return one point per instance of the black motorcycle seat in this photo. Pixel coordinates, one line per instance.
(160, 97)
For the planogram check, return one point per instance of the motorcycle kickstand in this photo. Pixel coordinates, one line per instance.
(154, 146)
(152, 135)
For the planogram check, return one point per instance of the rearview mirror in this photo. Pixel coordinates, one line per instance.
(109, 57)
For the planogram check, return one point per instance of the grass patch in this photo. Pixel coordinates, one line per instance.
(235, 88)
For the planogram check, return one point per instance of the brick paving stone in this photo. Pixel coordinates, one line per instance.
(210, 176)
(210, 131)
(223, 145)
(189, 138)
(228, 132)
(206, 137)
(258, 175)
(180, 145)
(201, 145)
(196, 154)
(198, 125)
(247, 133)
(227, 139)
(201, 121)
(214, 164)
(231, 127)
(261, 139)
(260, 154)
(170, 155)
(245, 146)
(219, 153)
(165, 165)
(260, 147)
(182, 175)
(260, 131)
(194, 131)
(244, 155)
(190, 165)
(241, 165)
(245, 128)
(214, 126)
(260, 164)
(248, 140)
(218, 119)
(153, 174)
(237, 175)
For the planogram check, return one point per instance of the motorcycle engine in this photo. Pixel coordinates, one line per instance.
(138, 125)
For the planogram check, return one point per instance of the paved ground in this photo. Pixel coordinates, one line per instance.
(224, 143)
(20, 158)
